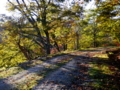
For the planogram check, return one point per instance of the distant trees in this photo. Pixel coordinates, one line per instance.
(103, 23)
(108, 18)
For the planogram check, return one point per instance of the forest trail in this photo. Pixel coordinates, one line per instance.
(59, 75)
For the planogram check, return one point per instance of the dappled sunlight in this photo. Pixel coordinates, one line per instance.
(28, 77)
(9, 72)
(59, 78)
(104, 73)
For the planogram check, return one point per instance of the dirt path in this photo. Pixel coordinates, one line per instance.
(56, 80)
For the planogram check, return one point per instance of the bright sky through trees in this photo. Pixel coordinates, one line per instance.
(4, 2)
(3, 7)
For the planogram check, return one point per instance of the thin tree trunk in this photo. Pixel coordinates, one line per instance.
(57, 47)
(94, 40)
(77, 41)
(65, 47)
(55, 43)
(24, 51)
(48, 42)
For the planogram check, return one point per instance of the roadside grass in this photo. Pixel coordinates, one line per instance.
(9, 72)
(4, 73)
(29, 83)
(101, 73)
(92, 48)
(60, 53)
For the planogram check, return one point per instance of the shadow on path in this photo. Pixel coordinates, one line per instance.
(4, 85)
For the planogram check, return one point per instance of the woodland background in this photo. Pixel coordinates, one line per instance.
(43, 27)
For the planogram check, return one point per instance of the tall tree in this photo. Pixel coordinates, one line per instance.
(41, 15)
(36, 12)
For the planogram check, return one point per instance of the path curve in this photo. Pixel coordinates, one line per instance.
(58, 81)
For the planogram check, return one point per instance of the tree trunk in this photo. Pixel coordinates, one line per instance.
(48, 43)
(24, 51)
(77, 41)
(65, 47)
(56, 45)
(94, 38)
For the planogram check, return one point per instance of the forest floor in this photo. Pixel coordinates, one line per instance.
(74, 71)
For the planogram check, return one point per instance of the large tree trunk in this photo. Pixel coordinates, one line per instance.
(45, 28)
